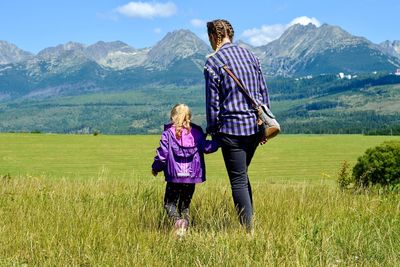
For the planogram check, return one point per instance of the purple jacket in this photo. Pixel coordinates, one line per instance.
(183, 164)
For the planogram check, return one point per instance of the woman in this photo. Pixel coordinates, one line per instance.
(230, 115)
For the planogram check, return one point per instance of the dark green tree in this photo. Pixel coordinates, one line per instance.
(379, 165)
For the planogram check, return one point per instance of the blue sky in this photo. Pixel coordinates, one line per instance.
(34, 25)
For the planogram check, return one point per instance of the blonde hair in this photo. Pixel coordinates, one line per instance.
(180, 118)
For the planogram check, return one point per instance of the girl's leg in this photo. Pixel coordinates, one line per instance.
(185, 197)
(170, 200)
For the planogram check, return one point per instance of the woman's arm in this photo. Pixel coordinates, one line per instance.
(263, 86)
(212, 99)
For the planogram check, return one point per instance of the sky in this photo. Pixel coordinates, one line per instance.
(33, 25)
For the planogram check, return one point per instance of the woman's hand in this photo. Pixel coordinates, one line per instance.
(263, 139)
(154, 173)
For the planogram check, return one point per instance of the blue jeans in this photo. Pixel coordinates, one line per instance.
(238, 152)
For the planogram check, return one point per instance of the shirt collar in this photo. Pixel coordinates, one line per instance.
(225, 45)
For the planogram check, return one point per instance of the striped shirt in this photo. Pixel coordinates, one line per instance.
(228, 110)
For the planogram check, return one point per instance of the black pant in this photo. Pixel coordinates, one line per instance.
(177, 200)
(238, 152)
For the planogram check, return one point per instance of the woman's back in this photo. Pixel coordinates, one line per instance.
(236, 114)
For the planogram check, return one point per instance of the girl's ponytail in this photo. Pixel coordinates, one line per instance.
(181, 117)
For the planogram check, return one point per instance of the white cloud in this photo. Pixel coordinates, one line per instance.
(304, 21)
(157, 30)
(265, 34)
(198, 23)
(268, 33)
(147, 10)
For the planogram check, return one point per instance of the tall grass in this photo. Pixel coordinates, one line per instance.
(91, 201)
(111, 222)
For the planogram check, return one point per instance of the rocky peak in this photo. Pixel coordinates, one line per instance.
(391, 48)
(176, 45)
(244, 44)
(297, 29)
(100, 50)
(70, 48)
(304, 39)
(10, 53)
(307, 48)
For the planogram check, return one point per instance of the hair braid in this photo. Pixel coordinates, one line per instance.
(228, 29)
(221, 28)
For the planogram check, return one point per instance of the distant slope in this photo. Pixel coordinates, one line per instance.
(391, 48)
(73, 68)
(178, 58)
(304, 50)
(115, 88)
(329, 105)
(10, 53)
(363, 105)
(177, 45)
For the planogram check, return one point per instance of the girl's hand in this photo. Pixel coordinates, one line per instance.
(154, 173)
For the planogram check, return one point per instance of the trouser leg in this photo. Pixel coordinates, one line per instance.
(237, 153)
(251, 146)
(185, 198)
(170, 200)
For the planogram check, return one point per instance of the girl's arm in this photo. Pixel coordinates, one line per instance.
(162, 153)
(210, 146)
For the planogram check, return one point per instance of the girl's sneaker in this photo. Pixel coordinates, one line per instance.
(181, 226)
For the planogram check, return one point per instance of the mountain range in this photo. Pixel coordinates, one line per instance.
(116, 88)
(301, 50)
(304, 50)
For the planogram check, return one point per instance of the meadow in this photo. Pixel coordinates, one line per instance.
(84, 200)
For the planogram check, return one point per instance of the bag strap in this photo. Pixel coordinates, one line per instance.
(238, 82)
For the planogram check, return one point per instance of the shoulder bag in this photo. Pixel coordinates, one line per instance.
(269, 124)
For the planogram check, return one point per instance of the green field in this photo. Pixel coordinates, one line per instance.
(311, 158)
(84, 200)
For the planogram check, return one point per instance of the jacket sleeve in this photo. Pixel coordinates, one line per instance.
(210, 146)
(212, 98)
(263, 86)
(162, 153)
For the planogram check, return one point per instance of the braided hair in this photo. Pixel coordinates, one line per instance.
(220, 28)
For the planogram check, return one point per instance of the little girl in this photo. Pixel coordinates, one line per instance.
(181, 157)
